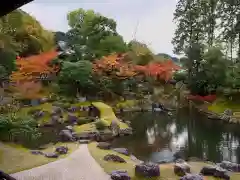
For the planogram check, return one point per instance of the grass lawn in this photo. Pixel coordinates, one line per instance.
(85, 127)
(166, 169)
(15, 158)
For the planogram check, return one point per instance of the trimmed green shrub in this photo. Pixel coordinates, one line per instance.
(15, 128)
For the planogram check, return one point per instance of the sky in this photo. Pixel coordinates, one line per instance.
(151, 19)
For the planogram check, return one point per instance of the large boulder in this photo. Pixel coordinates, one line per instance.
(61, 150)
(228, 112)
(55, 119)
(234, 167)
(114, 158)
(181, 169)
(215, 171)
(104, 145)
(147, 170)
(192, 177)
(120, 175)
(66, 135)
(123, 151)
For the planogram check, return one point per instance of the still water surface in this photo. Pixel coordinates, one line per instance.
(157, 136)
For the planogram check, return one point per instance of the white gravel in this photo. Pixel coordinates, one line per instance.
(79, 165)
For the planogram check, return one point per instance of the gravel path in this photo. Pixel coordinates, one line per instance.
(79, 165)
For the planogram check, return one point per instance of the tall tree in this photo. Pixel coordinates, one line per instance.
(228, 11)
(189, 29)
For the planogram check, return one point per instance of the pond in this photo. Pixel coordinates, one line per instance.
(158, 136)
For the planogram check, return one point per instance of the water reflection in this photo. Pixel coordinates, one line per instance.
(158, 137)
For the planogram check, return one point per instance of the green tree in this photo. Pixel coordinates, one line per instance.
(189, 28)
(24, 34)
(139, 53)
(92, 35)
(75, 77)
(228, 11)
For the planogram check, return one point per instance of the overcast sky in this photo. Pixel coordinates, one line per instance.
(155, 18)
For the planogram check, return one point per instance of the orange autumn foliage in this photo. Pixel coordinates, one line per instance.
(27, 79)
(115, 66)
(31, 68)
(162, 71)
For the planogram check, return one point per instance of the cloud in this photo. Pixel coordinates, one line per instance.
(154, 18)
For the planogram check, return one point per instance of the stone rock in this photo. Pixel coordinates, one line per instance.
(83, 141)
(147, 170)
(66, 135)
(51, 155)
(37, 152)
(72, 118)
(38, 114)
(62, 150)
(234, 167)
(126, 132)
(57, 110)
(192, 177)
(215, 171)
(115, 128)
(114, 158)
(104, 145)
(181, 169)
(120, 175)
(228, 112)
(70, 128)
(55, 119)
(123, 151)
(73, 109)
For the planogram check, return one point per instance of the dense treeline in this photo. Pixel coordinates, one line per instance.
(208, 34)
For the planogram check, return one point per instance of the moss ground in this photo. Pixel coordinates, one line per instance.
(15, 158)
(221, 104)
(107, 114)
(47, 107)
(166, 169)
